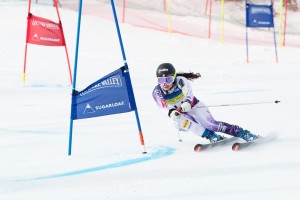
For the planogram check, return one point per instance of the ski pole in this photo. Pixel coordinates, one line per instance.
(241, 104)
(179, 137)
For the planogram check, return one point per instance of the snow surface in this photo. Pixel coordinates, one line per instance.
(107, 160)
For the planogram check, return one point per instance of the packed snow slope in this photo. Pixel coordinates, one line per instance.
(107, 160)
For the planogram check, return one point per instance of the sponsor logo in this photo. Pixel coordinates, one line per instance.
(110, 105)
(114, 81)
(50, 39)
(185, 124)
(88, 109)
(175, 99)
(260, 22)
(163, 103)
(35, 37)
(47, 25)
(163, 70)
(260, 11)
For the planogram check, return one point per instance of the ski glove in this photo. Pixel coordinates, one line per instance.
(174, 114)
(186, 107)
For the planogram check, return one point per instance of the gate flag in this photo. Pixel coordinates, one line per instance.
(111, 94)
(41, 31)
(45, 32)
(259, 16)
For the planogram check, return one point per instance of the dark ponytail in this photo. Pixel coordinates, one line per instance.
(190, 76)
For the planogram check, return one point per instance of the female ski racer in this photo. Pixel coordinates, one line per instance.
(174, 94)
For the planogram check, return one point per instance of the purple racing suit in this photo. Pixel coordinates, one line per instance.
(198, 118)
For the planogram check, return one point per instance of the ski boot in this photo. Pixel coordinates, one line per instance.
(212, 136)
(246, 135)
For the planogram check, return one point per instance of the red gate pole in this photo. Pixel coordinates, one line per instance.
(123, 14)
(24, 69)
(209, 19)
(206, 4)
(285, 20)
(25, 56)
(66, 50)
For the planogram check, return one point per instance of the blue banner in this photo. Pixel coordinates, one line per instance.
(111, 94)
(259, 16)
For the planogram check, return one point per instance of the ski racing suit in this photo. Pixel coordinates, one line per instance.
(198, 118)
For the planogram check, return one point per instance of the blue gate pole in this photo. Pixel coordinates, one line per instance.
(275, 45)
(127, 71)
(74, 74)
(247, 53)
(274, 34)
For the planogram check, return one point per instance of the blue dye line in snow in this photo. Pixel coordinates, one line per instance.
(162, 152)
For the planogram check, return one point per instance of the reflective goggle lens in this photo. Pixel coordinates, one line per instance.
(169, 80)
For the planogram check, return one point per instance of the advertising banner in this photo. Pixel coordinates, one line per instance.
(109, 95)
(259, 16)
(42, 31)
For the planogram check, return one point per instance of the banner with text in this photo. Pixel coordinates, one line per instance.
(42, 31)
(111, 94)
(259, 16)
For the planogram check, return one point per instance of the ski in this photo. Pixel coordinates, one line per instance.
(243, 145)
(201, 147)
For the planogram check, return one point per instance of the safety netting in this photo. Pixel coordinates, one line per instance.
(222, 20)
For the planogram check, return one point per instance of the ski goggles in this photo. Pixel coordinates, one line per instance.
(168, 80)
